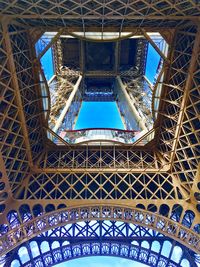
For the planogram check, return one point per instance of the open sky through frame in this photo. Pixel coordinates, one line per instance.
(101, 115)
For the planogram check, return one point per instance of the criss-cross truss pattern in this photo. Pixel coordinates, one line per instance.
(139, 245)
(45, 189)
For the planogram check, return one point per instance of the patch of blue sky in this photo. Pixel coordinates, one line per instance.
(47, 64)
(153, 59)
(101, 261)
(44, 40)
(99, 115)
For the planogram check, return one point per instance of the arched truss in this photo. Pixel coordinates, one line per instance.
(106, 238)
(22, 232)
(84, 249)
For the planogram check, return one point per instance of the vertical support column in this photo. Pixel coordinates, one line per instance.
(140, 120)
(57, 55)
(186, 91)
(5, 191)
(11, 67)
(82, 57)
(67, 104)
(117, 57)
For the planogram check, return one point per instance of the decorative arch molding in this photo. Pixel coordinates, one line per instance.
(26, 231)
(129, 251)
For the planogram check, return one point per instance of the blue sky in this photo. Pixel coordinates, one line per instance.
(101, 261)
(47, 64)
(99, 115)
(153, 59)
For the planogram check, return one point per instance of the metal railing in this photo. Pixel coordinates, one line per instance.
(89, 135)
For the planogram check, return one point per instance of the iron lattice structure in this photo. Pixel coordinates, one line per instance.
(83, 239)
(155, 187)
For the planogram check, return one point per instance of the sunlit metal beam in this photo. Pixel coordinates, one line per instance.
(53, 40)
(11, 66)
(189, 82)
(67, 105)
(154, 45)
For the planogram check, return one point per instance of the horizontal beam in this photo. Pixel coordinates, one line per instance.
(100, 73)
(99, 170)
(109, 17)
(16, 203)
(95, 28)
(77, 239)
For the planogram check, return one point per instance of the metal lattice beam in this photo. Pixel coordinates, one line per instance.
(11, 67)
(188, 85)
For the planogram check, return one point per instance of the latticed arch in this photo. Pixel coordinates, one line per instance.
(153, 184)
(74, 251)
(173, 229)
(102, 238)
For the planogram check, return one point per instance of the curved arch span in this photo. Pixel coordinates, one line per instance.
(16, 236)
(86, 249)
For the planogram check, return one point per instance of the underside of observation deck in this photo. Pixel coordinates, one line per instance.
(151, 189)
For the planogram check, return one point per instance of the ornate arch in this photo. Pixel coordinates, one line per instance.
(96, 238)
(98, 248)
(26, 231)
